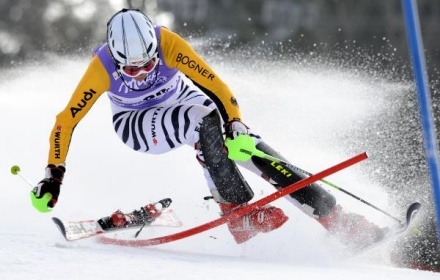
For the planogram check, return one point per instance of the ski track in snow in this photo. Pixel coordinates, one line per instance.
(299, 112)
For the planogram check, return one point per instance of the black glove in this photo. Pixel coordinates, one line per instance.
(235, 128)
(239, 144)
(51, 184)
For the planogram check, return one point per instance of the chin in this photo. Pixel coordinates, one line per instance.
(140, 78)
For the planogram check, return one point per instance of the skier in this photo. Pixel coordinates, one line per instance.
(164, 95)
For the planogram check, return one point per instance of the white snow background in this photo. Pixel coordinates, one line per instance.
(298, 110)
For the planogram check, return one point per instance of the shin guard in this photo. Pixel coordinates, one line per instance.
(225, 174)
(313, 195)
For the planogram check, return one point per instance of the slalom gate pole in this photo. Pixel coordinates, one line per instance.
(239, 212)
(415, 43)
(242, 148)
(266, 156)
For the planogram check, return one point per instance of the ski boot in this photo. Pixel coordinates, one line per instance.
(352, 230)
(137, 218)
(145, 215)
(264, 219)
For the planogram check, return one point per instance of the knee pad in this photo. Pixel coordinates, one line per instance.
(313, 195)
(225, 174)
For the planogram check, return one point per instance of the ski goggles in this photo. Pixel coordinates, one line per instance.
(134, 71)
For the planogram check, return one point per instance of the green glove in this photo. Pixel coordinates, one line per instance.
(41, 203)
(44, 196)
(242, 148)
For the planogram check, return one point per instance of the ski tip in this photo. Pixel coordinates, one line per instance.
(414, 206)
(56, 220)
(412, 211)
(60, 226)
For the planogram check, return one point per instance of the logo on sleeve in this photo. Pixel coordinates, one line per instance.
(192, 64)
(57, 137)
(234, 101)
(88, 95)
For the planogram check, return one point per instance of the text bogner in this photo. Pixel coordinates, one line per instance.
(192, 64)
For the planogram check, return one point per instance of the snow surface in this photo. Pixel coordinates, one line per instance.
(301, 112)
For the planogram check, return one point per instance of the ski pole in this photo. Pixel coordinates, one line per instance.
(39, 203)
(15, 170)
(340, 189)
(242, 148)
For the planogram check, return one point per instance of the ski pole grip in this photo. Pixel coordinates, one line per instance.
(241, 148)
(41, 203)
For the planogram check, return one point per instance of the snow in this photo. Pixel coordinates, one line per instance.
(298, 111)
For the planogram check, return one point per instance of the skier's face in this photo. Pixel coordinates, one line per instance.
(141, 77)
(136, 71)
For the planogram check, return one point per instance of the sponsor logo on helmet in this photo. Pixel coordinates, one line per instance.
(138, 60)
(192, 64)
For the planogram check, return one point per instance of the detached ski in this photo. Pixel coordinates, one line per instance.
(395, 232)
(161, 216)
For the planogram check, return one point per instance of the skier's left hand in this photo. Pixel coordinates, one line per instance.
(44, 196)
(235, 128)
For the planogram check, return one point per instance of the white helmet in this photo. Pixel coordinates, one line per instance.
(131, 38)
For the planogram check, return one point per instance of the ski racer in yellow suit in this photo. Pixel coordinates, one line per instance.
(164, 95)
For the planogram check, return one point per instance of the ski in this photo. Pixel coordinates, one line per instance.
(236, 213)
(395, 232)
(75, 230)
(211, 224)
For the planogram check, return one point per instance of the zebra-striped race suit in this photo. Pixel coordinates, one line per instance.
(167, 125)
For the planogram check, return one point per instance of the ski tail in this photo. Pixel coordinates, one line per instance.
(60, 226)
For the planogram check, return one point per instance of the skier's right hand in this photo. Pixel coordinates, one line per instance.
(45, 195)
(235, 128)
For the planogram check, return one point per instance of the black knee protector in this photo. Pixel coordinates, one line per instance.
(313, 195)
(229, 181)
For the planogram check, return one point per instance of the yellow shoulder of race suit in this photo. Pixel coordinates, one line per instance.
(94, 83)
(177, 53)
